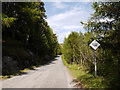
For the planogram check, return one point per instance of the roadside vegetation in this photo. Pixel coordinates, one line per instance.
(84, 78)
(27, 39)
(103, 26)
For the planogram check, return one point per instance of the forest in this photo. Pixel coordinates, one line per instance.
(103, 26)
(27, 39)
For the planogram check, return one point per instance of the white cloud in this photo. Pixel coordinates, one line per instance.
(68, 17)
(59, 5)
(62, 35)
(103, 20)
(72, 27)
(62, 16)
(106, 20)
(65, 22)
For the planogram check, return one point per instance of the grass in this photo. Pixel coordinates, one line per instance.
(7, 76)
(85, 79)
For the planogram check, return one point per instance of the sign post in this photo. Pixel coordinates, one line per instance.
(95, 65)
(95, 45)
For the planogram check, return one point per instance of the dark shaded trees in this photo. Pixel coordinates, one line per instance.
(27, 37)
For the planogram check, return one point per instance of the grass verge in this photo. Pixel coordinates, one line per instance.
(85, 79)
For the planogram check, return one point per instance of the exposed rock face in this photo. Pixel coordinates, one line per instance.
(9, 66)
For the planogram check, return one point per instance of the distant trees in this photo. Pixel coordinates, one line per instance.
(104, 26)
(70, 47)
(27, 36)
(76, 49)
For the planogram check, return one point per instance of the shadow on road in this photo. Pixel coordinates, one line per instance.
(22, 73)
(51, 62)
(57, 56)
(35, 69)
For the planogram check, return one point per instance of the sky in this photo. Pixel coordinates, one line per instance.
(65, 17)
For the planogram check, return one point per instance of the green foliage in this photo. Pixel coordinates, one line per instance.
(27, 37)
(85, 79)
(70, 47)
(105, 23)
(8, 21)
(59, 50)
(76, 49)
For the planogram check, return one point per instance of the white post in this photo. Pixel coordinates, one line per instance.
(95, 66)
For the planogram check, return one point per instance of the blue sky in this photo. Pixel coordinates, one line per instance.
(65, 17)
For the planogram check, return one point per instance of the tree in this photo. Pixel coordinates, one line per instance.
(105, 22)
(27, 37)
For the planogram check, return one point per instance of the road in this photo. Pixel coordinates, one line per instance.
(51, 75)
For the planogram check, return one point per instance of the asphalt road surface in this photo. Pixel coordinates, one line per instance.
(51, 75)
